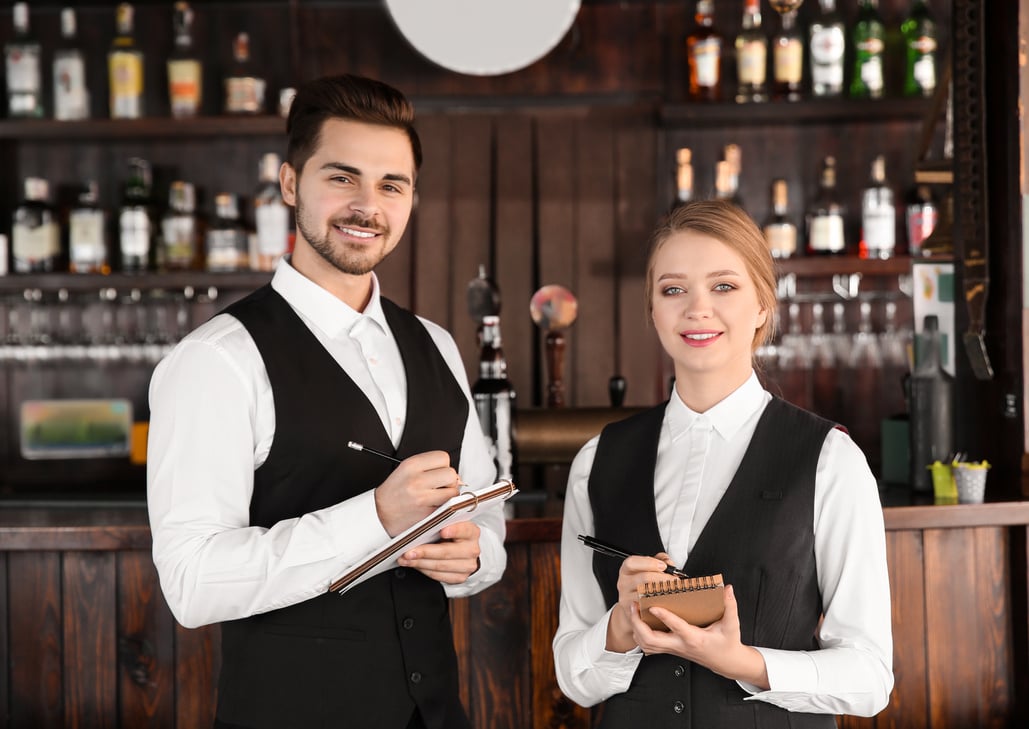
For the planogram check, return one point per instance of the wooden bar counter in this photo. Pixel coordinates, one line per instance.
(89, 642)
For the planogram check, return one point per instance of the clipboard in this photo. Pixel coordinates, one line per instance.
(458, 508)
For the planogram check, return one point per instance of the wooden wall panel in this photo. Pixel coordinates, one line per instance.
(5, 651)
(432, 222)
(146, 646)
(36, 641)
(993, 591)
(89, 630)
(197, 665)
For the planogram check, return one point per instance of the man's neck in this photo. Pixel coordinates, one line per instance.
(354, 291)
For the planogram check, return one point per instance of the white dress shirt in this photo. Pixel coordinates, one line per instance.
(698, 454)
(212, 424)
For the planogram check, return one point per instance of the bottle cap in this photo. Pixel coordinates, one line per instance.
(36, 188)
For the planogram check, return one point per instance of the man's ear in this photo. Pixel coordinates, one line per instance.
(288, 183)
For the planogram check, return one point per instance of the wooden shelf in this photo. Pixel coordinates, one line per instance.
(172, 280)
(813, 266)
(151, 128)
(808, 111)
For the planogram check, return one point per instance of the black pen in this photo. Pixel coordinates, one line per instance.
(358, 447)
(612, 551)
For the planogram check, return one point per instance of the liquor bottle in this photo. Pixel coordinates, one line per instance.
(71, 97)
(727, 175)
(825, 218)
(919, 31)
(931, 394)
(751, 56)
(36, 234)
(920, 217)
(185, 71)
(22, 57)
(788, 60)
(125, 69)
(827, 46)
(683, 176)
(780, 232)
(704, 55)
(87, 233)
(271, 214)
(878, 215)
(135, 219)
(180, 234)
(494, 399)
(244, 89)
(227, 247)
(869, 46)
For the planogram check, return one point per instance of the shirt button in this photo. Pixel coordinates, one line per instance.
(408, 623)
(679, 671)
(400, 573)
(373, 360)
(678, 707)
(416, 677)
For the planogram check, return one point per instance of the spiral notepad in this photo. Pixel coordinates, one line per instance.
(697, 600)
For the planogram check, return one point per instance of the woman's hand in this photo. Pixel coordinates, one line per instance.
(635, 571)
(717, 647)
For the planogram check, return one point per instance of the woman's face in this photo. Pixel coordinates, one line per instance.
(705, 310)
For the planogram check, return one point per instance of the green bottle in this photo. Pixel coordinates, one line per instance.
(868, 35)
(919, 31)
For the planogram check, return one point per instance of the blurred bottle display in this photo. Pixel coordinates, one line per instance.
(244, 89)
(869, 46)
(36, 232)
(704, 55)
(751, 56)
(494, 398)
(71, 97)
(788, 60)
(780, 231)
(920, 42)
(920, 217)
(23, 68)
(180, 229)
(135, 218)
(931, 394)
(727, 174)
(827, 46)
(87, 233)
(185, 70)
(227, 246)
(878, 215)
(825, 217)
(125, 68)
(271, 214)
(683, 176)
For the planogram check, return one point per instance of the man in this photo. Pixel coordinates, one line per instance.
(256, 503)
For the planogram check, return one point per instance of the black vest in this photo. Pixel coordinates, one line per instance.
(760, 538)
(369, 657)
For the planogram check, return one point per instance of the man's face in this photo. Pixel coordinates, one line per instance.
(354, 195)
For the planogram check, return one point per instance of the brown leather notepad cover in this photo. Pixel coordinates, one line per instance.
(697, 600)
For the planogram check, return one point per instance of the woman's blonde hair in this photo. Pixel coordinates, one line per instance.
(726, 222)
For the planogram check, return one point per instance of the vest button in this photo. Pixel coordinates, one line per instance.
(678, 707)
(400, 573)
(679, 671)
(408, 623)
(416, 677)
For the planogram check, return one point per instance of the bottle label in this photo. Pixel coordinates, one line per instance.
(86, 247)
(244, 95)
(827, 234)
(924, 73)
(827, 46)
(921, 220)
(126, 78)
(782, 239)
(751, 62)
(32, 244)
(878, 229)
(180, 244)
(272, 229)
(789, 61)
(134, 225)
(184, 84)
(872, 73)
(23, 76)
(71, 101)
(706, 56)
(226, 250)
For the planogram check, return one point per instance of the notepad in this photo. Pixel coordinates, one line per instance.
(459, 508)
(697, 600)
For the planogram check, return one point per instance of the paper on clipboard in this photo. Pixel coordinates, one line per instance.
(458, 508)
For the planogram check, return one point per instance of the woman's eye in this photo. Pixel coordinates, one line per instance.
(672, 290)
(724, 287)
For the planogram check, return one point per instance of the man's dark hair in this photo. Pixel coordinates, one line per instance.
(353, 98)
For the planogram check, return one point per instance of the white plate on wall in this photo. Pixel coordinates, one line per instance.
(483, 37)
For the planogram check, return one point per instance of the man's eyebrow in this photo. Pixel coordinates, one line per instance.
(392, 177)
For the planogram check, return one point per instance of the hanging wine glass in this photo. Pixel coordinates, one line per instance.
(785, 6)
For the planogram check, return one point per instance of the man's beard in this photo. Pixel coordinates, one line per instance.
(352, 261)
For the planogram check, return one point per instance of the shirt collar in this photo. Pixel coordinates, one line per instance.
(726, 418)
(321, 308)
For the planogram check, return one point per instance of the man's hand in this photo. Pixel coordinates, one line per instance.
(451, 560)
(416, 487)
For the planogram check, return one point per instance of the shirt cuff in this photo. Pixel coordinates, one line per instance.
(358, 530)
(620, 667)
(788, 672)
(492, 561)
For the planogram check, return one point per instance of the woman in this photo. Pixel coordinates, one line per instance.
(724, 478)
